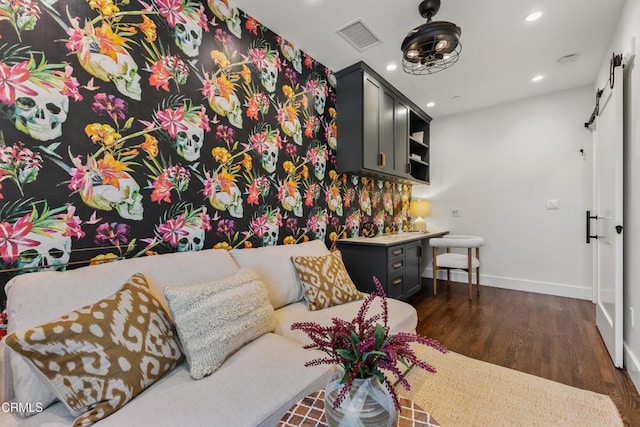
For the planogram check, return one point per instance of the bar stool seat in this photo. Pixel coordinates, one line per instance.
(457, 261)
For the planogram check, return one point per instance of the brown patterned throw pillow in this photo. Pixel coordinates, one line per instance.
(99, 357)
(325, 280)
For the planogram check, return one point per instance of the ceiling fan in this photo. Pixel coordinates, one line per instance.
(432, 46)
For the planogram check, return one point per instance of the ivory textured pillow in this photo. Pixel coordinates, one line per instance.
(217, 318)
(325, 280)
(99, 357)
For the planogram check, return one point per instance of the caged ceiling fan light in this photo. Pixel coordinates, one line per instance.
(432, 46)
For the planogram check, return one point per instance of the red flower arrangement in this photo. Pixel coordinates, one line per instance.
(364, 347)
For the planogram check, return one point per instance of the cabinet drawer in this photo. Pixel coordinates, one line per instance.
(396, 265)
(395, 285)
(395, 252)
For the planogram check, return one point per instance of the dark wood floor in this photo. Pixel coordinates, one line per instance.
(547, 336)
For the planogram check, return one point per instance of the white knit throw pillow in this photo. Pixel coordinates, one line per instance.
(217, 318)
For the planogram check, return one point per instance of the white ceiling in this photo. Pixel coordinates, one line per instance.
(500, 51)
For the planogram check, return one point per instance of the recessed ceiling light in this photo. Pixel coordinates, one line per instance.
(431, 104)
(537, 78)
(533, 16)
(391, 67)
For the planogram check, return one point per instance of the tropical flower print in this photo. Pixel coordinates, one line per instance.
(225, 134)
(150, 146)
(171, 10)
(21, 14)
(113, 234)
(264, 57)
(252, 25)
(226, 227)
(149, 29)
(172, 178)
(19, 164)
(311, 126)
(184, 228)
(257, 106)
(334, 199)
(172, 120)
(109, 105)
(166, 69)
(69, 85)
(259, 188)
(103, 134)
(312, 194)
(12, 79)
(105, 171)
(173, 230)
(262, 223)
(169, 123)
(104, 7)
(13, 235)
(223, 193)
(72, 222)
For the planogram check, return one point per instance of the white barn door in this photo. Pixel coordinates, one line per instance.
(608, 176)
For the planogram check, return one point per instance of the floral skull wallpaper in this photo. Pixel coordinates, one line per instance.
(132, 128)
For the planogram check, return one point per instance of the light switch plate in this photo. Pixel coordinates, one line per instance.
(553, 204)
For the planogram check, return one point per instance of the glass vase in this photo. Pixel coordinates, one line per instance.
(366, 404)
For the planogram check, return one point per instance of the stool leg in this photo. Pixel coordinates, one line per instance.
(435, 273)
(469, 272)
(448, 273)
(478, 272)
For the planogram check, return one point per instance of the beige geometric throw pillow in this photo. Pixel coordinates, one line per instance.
(99, 357)
(325, 280)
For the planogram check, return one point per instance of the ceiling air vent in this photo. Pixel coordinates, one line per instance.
(359, 35)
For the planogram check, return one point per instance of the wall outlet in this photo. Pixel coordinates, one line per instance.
(455, 212)
(553, 204)
(633, 320)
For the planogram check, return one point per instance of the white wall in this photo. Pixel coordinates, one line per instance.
(626, 41)
(498, 166)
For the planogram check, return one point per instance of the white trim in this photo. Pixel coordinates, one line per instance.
(632, 366)
(548, 288)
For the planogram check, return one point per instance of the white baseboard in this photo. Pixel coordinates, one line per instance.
(632, 366)
(547, 288)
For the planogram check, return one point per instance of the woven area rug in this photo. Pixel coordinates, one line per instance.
(467, 392)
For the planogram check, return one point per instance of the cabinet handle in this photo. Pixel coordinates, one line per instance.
(383, 160)
(420, 251)
(396, 282)
(396, 252)
(397, 265)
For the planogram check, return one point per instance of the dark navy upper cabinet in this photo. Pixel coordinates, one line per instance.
(380, 131)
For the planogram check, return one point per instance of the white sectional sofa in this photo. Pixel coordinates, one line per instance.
(255, 386)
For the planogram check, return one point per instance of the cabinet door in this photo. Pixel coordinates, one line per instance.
(371, 125)
(387, 131)
(413, 273)
(401, 156)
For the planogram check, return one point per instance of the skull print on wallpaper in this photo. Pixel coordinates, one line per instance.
(171, 126)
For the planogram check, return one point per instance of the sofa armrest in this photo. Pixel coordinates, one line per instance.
(6, 379)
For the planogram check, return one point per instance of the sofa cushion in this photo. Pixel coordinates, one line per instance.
(254, 387)
(216, 318)
(325, 280)
(273, 264)
(402, 317)
(36, 298)
(99, 357)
